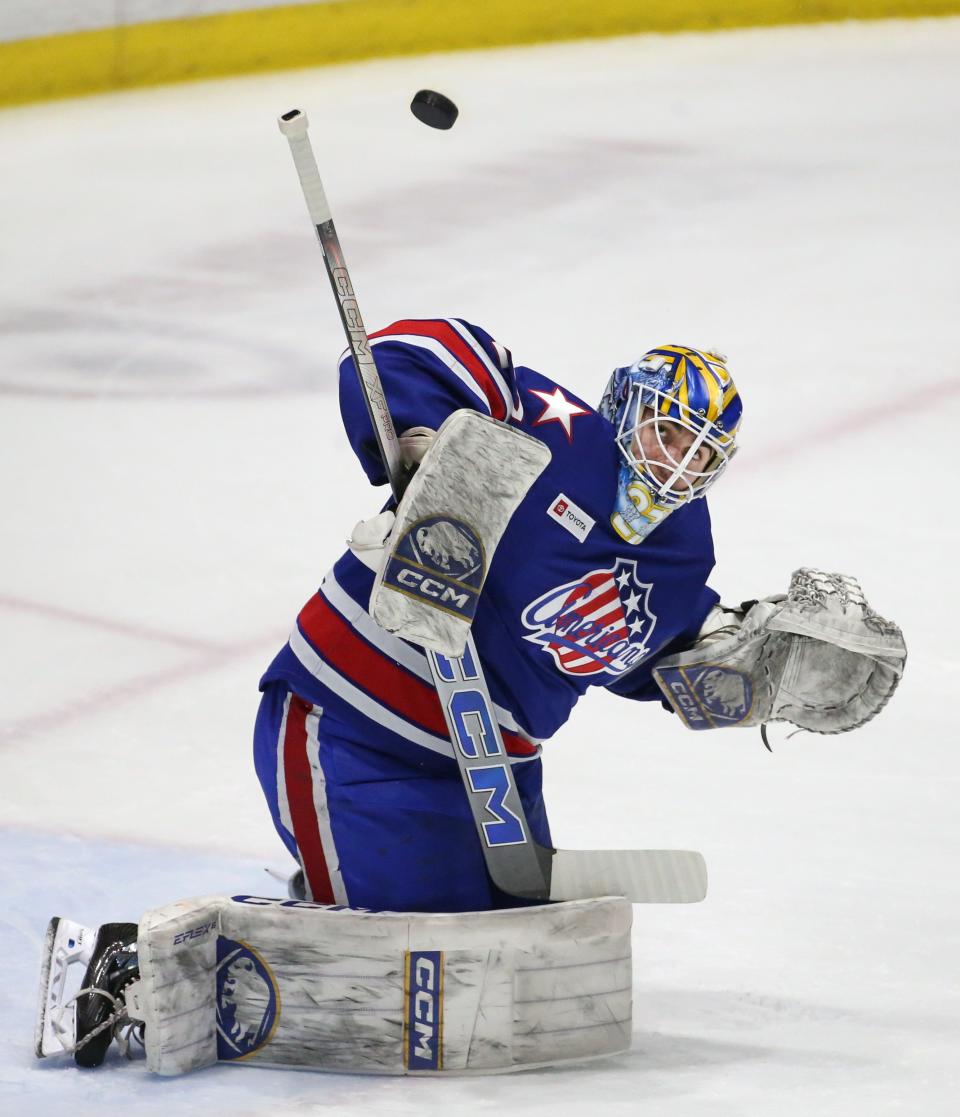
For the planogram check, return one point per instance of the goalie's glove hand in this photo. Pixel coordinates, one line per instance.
(725, 620)
(818, 657)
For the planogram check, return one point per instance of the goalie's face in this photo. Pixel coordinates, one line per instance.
(678, 458)
(677, 413)
(672, 454)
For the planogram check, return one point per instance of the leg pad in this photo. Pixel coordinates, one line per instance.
(292, 984)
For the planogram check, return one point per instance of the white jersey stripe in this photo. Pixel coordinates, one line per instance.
(495, 373)
(397, 649)
(286, 819)
(360, 700)
(459, 370)
(438, 350)
(322, 808)
(383, 641)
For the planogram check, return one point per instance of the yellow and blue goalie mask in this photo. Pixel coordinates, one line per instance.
(676, 412)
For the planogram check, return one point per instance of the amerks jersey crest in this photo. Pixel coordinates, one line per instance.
(600, 622)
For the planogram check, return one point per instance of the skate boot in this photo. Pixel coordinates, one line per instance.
(101, 1015)
(297, 886)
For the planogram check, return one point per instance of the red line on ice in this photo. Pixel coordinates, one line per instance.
(124, 628)
(126, 690)
(921, 397)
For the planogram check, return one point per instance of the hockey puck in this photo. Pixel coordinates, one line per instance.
(433, 109)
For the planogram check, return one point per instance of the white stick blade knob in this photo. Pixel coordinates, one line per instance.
(293, 123)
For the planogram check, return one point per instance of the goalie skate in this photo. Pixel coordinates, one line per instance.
(87, 977)
(67, 950)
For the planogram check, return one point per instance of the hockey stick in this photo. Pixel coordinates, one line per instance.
(517, 864)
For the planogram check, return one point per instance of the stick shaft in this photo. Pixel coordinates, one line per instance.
(515, 862)
(294, 126)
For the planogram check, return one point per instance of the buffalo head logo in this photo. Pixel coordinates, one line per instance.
(727, 690)
(247, 1000)
(448, 547)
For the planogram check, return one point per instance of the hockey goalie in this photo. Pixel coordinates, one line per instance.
(536, 547)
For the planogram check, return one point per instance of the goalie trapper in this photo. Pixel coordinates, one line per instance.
(103, 1006)
(818, 656)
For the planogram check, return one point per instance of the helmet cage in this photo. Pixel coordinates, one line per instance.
(671, 477)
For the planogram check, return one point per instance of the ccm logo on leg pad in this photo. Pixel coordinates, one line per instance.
(423, 1010)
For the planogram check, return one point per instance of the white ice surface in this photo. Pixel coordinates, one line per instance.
(176, 482)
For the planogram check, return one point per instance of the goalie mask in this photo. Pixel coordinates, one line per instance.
(676, 412)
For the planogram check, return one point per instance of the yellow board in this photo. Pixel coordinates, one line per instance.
(315, 34)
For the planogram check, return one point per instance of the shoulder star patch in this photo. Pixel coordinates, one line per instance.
(558, 409)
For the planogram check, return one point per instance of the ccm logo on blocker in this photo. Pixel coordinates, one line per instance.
(439, 559)
(423, 585)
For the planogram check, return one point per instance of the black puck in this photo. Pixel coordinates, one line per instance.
(433, 109)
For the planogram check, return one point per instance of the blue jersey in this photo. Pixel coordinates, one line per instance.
(567, 603)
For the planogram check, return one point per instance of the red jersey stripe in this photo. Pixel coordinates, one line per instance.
(353, 657)
(454, 344)
(365, 666)
(299, 784)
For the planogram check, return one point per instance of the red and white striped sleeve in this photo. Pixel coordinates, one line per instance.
(429, 368)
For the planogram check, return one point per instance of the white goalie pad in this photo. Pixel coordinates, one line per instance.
(288, 983)
(448, 525)
(819, 657)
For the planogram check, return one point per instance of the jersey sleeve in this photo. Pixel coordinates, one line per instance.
(429, 368)
(639, 684)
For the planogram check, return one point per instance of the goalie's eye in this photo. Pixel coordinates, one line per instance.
(672, 434)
